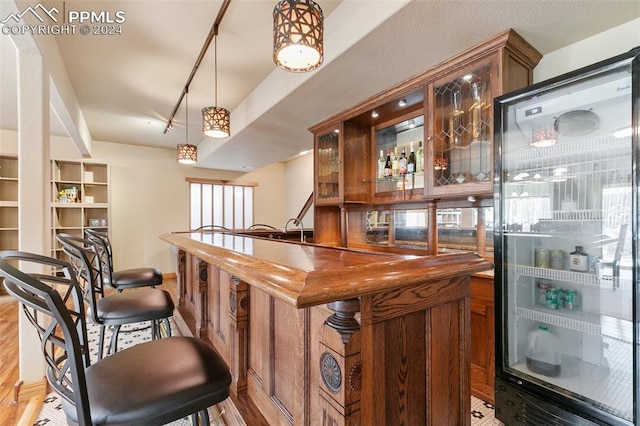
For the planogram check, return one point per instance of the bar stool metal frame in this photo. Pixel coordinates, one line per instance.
(124, 279)
(151, 383)
(115, 310)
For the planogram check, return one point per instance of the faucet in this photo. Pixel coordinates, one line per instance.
(298, 222)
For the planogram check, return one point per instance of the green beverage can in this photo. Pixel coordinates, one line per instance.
(560, 298)
(552, 298)
(571, 300)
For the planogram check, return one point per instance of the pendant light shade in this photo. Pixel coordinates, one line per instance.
(187, 153)
(216, 121)
(297, 35)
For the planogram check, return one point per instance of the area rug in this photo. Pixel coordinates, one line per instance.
(51, 413)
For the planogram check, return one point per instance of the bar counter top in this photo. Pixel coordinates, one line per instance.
(304, 275)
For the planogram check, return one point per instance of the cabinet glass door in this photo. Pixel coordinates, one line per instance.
(328, 167)
(462, 132)
(566, 240)
(400, 159)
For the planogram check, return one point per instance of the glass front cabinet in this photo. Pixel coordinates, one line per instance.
(461, 133)
(328, 161)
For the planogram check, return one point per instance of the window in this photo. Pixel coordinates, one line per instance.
(220, 204)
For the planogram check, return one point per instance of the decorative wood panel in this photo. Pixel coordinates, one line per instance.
(482, 338)
(415, 341)
(218, 316)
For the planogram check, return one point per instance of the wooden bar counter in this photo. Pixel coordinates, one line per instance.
(317, 335)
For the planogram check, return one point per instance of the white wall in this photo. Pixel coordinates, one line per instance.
(270, 194)
(599, 47)
(298, 186)
(149, 196)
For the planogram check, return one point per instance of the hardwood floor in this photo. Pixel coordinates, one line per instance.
(10, 411)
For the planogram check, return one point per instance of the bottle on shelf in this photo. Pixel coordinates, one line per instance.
(388, 167)
(420, 158)
(411, 161)
(578, 260)
(395, 165)
(402, 162)
(543, 352)
(381, 164)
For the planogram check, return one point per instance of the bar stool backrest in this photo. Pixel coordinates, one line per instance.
(84, 258)
(53, 304)
(105, 251)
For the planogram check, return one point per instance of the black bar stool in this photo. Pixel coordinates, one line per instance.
(126, 278)
(151, 383)
(115, 310)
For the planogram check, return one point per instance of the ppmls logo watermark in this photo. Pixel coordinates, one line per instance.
(66, 22)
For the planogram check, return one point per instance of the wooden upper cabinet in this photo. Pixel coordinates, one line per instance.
(338, 181)
(446, 110)
(357, 163)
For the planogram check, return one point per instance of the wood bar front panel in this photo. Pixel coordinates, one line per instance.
(482, 338)
(218, 318)
(415, 355)
(278, 373)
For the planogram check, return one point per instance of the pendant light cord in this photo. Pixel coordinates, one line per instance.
(186, 103)
(212, 33)
(215, 69)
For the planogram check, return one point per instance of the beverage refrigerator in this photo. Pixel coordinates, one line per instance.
(566, 250)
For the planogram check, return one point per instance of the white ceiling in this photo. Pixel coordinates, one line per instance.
(127, 85)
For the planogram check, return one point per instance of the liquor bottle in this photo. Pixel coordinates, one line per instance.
(411, 162)
(388, 168)
(402, 162)
(578, 260)
(381, 163)
(420, 158)
(395, 165)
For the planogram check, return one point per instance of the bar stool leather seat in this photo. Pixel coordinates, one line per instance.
(154, 382)
(143, 305)
(135, 277)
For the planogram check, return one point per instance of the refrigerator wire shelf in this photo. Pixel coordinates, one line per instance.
(587, 323)
(593, 147)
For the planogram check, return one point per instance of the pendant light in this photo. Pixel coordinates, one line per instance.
(216, 121)
(297, 35)
(187, 153)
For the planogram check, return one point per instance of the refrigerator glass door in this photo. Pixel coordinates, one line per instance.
(566, 219)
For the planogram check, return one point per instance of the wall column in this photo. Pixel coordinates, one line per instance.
(34, 217)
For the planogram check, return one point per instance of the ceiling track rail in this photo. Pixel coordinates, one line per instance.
(212, 33)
